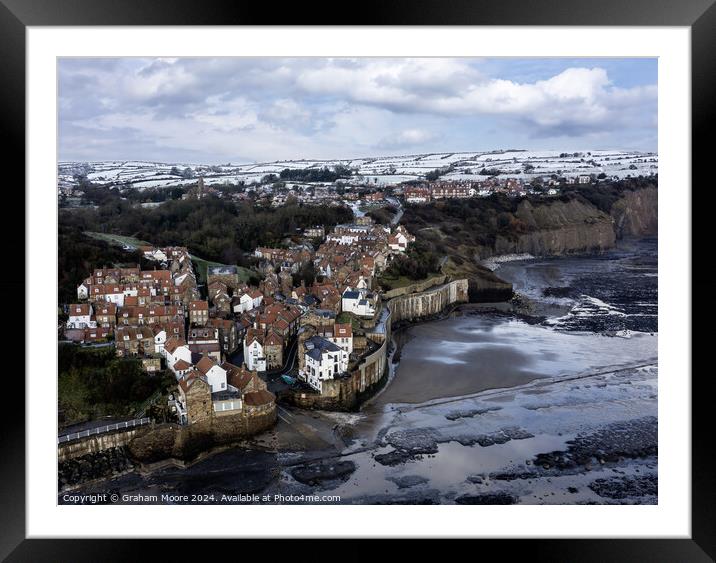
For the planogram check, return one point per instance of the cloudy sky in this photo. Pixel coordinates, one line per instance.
(218, 110)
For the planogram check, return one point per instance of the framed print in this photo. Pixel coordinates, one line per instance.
(407, 278)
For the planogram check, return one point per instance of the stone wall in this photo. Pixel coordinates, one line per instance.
(428, 303)
(164, 441)
(95, 444)
(344, 394)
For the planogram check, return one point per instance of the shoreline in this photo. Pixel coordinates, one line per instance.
(519, 307)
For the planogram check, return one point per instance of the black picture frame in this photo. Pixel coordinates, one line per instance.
(699, 15)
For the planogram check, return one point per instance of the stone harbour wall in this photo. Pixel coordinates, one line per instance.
(95, 444)
(346, 394)
(415, 306)
(147, 444)
(165, 441)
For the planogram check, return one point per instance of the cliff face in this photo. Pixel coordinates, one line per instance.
(636, 213)
(557, 228)
(575, 227)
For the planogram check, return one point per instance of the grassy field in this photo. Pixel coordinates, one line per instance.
(200, 264)
(388, 282)
(346, 317)
(118, 239)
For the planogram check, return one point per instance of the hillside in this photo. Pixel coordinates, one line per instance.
(583, 220)
(377, 170)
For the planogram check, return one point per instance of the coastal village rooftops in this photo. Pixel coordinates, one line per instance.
(238, 377)
(186, 382)
(317, 345)
(255, 334)
(258, 398)
(198, 306)
(181, 365)
(79, 309)
(173, 343)
(225, 324)
(273, 339)
(205, 364)
(107, 309)
(342, 330)
(222, 270)
(134, 332)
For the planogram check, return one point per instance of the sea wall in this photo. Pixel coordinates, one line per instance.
(346, 393)
(428, 303)
(95, 444)
(76, 470)
(164, 441)
(486, 287)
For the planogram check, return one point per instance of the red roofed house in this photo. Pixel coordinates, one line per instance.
(80, 316)
(343, 336)
(198, 313)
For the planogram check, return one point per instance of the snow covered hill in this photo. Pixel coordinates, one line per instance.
(379, 170)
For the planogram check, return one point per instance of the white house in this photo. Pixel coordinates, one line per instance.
(83, 291)
(176, 349)
(155, 254)
(257, 298)
(245, 303)
(160, 338)
(254, 356)
(116, 295)
(80, 316)
(162, 333)
(215, 374)
(343, 336)
(323, 360)
(398, 242)
(360, 302)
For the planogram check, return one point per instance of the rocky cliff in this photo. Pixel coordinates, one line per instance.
(592, 221)
(576, 226)
(556, 228)
(636, 213)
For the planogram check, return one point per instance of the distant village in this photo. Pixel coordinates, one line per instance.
(360, 190)
(222, 343)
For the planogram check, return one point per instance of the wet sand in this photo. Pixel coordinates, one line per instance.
(469, 354)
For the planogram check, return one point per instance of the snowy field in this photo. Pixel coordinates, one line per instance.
(383, 170)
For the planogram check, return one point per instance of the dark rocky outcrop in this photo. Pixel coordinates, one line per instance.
(318, 473)
(96, 465)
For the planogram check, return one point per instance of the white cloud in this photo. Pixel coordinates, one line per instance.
(407, 138)
(265, 109)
